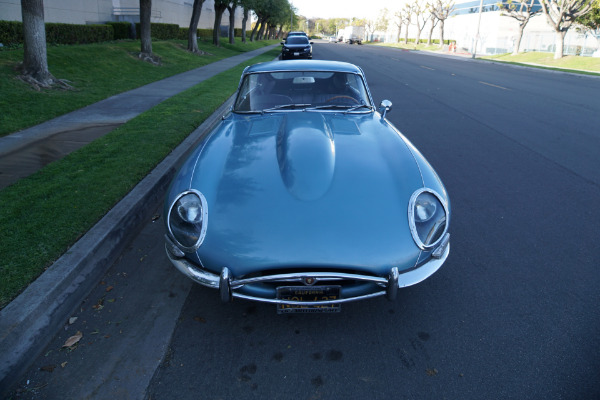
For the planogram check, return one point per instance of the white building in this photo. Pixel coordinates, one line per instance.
(99, 11)
(496, 32)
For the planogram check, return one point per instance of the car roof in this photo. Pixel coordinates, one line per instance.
(297, 33)
(304, 65)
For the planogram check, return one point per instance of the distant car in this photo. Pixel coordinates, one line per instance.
(333, 39)
(296, 46)
(304, 196)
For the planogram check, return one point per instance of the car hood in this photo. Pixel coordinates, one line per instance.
(306, 189)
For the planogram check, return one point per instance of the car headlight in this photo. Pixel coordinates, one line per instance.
(427, 217)
(286, 49)
(188, 219)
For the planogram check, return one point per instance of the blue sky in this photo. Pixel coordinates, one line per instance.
(339, 8)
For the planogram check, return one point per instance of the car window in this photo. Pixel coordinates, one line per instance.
(297, 40)
(292, 90)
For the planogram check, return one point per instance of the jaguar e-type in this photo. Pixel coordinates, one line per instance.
(306, 196)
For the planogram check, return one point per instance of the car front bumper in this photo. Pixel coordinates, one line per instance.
(230, 287)
(296, 54)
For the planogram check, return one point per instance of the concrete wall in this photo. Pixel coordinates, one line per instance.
(100, 11)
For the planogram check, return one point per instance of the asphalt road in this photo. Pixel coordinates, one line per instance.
(513, 313)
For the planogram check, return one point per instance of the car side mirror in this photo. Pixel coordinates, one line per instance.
(384, 107)
(312, 42)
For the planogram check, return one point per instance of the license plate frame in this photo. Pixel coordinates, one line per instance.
(296, 54)
(308, 293)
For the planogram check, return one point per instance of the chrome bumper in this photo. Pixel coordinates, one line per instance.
(227, 285)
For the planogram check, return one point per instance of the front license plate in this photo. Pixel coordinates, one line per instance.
(308, 293)
(296, 54)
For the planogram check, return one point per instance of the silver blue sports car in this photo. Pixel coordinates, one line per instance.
(306, 196)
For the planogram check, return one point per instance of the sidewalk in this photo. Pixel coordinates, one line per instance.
(23, 153)
(30, 321)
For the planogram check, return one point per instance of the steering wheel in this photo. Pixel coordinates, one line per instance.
(342, 97)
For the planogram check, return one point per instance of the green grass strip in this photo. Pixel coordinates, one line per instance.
(96, 71)
(573, 64)
(44, 214)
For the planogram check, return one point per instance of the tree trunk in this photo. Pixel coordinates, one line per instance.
(35, 60)
(430, 34)
(441, 33)
(193, 31)
(244, 21)
(560, 44)
(219, 10)
(231, 24)
(256, 26)
(145, 35)
(517, 43)
(261, 33)
(406, 35)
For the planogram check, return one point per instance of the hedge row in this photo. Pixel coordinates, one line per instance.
(11, 32)
(78, 34)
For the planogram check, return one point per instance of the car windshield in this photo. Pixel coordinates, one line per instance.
(296, 40)
(302, 90)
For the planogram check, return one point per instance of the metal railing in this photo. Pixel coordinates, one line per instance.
(134, 11)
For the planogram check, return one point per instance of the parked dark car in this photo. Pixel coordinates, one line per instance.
(305, 196)
(296, 47)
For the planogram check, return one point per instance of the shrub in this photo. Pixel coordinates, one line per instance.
(78, 34)
(122, 30)
(11, 33)
(160, 31)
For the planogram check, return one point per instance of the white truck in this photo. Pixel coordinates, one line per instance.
(354, 34)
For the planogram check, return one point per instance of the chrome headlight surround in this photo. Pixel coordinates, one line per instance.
(187, 220)
(427, 218)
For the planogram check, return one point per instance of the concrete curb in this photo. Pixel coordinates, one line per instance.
(30, 321)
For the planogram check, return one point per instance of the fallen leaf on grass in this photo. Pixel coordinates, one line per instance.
(48, 368)
(108, 289)
(200, 319)
(432, 371)
(73, 339)
(64, 364)
(72, 320)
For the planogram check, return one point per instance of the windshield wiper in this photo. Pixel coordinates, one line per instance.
(357, 107)
(326, 106)
(346, 108)
(285, 107)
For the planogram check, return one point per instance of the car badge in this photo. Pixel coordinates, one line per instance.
(309, 280)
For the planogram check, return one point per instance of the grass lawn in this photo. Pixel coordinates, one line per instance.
(96, 71)
(44, 214)
(408, 46)
(570, 63)
(575, 64)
